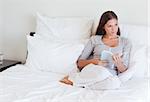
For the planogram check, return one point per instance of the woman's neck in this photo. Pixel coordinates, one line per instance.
(110, 37)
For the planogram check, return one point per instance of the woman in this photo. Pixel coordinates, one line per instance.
(107, 38)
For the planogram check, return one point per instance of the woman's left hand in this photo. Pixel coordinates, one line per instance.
(119, 62)
(117, 59)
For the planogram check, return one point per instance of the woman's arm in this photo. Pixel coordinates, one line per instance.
(122, 62)
(81, 63)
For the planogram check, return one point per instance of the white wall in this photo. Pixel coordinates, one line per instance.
(149, 29)
(148, 12)
(1, 26)
(19, 17)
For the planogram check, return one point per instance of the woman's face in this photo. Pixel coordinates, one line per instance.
(111, 27)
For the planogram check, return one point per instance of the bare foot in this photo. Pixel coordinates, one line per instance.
(66, 81)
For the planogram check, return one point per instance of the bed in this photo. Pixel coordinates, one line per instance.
(38, 79)
(21, 84)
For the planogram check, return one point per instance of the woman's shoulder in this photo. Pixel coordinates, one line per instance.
(95, 38)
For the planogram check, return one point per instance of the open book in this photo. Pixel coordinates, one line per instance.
(107, 56)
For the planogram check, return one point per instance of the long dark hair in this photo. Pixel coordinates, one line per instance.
(106, 16)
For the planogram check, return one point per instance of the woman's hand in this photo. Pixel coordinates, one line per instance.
(99, 62)
(117, 59)
(119, 62)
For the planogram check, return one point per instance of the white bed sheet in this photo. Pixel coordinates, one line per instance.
(21, 84)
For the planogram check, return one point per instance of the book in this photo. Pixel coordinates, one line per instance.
(106, 56)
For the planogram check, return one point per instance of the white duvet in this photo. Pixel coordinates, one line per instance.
(22, 84)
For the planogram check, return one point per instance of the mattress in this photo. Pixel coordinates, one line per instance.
(22, 84)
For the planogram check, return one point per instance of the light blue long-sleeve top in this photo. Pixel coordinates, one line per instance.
(95, 46)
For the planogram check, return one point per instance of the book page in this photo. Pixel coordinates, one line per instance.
(107, 56)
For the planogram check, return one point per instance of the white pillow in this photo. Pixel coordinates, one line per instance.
(139, 59)
(64, 28)
(56, 57)
(137, 64)
(137, 34)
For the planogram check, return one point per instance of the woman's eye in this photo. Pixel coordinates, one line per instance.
(109, 26)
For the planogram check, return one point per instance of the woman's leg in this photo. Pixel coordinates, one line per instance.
(112, 82)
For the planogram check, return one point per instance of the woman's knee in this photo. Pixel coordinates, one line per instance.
(115, 82)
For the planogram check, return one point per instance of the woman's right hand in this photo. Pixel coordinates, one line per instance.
(99, 62)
